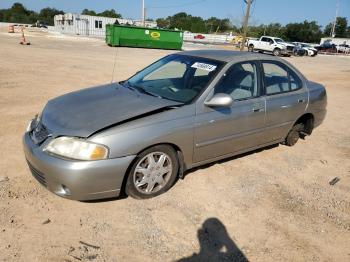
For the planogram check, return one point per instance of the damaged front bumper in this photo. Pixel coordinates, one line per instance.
(78, 180)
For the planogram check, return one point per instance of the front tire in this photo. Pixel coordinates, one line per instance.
(276, 52)
(153, 172)
(251, 48)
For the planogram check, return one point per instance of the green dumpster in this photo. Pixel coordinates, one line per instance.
(119, 35)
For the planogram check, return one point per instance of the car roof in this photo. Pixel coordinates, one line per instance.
(227, 55)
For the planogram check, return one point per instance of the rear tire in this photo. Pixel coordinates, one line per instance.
(294, 135)
(149, 176)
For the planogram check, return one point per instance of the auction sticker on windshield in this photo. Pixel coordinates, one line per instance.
(204, 66)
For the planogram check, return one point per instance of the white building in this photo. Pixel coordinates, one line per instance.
(88, 25)
(336, 41)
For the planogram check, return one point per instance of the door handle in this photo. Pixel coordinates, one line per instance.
(301, 100)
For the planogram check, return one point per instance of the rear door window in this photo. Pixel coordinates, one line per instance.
(279, 78)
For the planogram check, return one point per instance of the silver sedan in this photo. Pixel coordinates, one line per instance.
(185, 110)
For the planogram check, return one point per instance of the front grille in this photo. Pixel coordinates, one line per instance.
(37, 175)
(39, 134)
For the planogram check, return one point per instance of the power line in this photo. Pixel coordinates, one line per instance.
(179, 5)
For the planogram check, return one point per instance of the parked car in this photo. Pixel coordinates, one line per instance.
(310, 51)
(39, 24)
(299, 51)
(327, 47)
(274, 45)
(199, 37)
(343, 48)
(183, 111)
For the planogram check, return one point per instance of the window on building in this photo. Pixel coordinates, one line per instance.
(98, 24)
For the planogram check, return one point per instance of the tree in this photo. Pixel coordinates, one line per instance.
(88, 12)
(328, 29)
(273, 29)
(107, 13)
(214, 24)
(46, 15)
(163, 22)
(110, 13)
(195, 24)
(341, 28)
(303, 32)
(18, 14)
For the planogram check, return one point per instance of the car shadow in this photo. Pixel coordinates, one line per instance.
(215, 244)
(192, 170)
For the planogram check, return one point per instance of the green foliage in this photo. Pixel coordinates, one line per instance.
(110, 13)
(107, 13)
(19, 14)
(304, 32)
(195, 24)
(301, 32)
(273, 29)
(46, 15)
(88, 12)
(341, 28)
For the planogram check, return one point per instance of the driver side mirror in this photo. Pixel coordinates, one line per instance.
(219, 100)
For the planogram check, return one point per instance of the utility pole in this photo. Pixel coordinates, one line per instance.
(335, 20)
(143, 13)
(245, 24)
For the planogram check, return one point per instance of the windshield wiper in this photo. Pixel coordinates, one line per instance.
(142, 90)
(127, 85)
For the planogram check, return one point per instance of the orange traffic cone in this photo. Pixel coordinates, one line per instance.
(11, 29)
(23, 41)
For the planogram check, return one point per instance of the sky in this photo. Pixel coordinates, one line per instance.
(263, 11)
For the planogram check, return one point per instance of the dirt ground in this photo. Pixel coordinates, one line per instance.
(270, 205)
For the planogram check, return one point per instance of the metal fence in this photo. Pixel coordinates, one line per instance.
(208, 38)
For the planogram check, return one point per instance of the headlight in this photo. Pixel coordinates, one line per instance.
(76, 148)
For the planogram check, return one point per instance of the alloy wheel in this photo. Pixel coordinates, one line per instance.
(152, 172)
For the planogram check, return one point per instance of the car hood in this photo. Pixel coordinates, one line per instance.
(85, 112)
(287, 44)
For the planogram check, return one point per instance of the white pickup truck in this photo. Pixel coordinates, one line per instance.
(272, 45)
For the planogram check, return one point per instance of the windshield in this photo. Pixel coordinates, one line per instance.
(179, 78)
(305, 45)
(279, 40)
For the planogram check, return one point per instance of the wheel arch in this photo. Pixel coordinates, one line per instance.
(308, 120)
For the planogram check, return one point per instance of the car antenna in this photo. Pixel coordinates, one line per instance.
(115, 61)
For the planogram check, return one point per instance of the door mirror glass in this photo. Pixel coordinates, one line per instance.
(219, 100)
